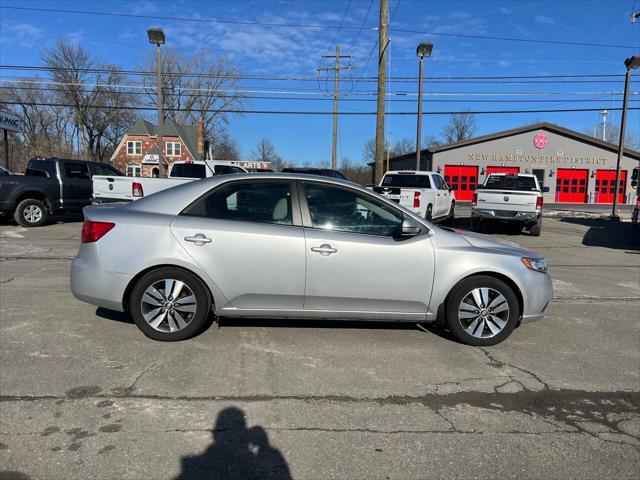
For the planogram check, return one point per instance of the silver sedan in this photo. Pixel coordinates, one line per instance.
(297, 246)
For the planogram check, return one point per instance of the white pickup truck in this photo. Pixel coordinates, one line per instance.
(108, 189)
(510, 198)
(425, 193)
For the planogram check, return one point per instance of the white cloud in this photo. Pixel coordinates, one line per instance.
(21, 33)
(543, 20)
(505, 11)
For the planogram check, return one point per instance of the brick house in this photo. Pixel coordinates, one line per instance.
(137, 152)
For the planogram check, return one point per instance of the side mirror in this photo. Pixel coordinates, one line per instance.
(634, 183)
(545, 189)
(410, 227)
(450, 188)
(479, 187)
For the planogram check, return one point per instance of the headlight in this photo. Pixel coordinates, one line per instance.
(537, 264)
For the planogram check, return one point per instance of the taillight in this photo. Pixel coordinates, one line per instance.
(474, 199)
(136, 189)
(539, 203)
(416, 199)
(94, 231)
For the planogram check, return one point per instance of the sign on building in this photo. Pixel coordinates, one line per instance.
(151, 159)
(9, 121)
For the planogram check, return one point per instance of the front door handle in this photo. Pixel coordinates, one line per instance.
(199, 239)
(324, 249)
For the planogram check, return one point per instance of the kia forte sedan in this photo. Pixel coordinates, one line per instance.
(299, 246)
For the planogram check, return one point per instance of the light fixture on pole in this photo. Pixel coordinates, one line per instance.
(423, 50)
(156, 36)
(631, 63)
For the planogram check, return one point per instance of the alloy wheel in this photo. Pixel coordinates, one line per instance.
(168, 305)
(483, 312)
(32, 214)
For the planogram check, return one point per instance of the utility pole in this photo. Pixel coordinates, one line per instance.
(336, 92)
(383, 43)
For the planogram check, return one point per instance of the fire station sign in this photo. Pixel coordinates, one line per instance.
(9, 121)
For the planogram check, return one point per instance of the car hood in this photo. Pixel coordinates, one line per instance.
(479, 240)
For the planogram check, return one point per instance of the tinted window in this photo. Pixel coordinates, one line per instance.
(266, 202)
(406, 181)
(188, 170)
(334, 208)
(76, 170)
(511, 182)
(227, 169)
(48, 166)
(99, 169)
(439, 182)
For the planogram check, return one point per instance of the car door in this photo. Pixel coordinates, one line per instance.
(443, 196)
(357, 265)
(247, 236)
(76, 185)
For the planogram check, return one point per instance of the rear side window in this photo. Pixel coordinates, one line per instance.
(77, 171)
(511, 182)
(99, 169)
(48, 166)
(188, 170)
(227, 169)
(406, 181)
(263, 202)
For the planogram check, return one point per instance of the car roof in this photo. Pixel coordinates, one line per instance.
(411, 172)
(503, 174)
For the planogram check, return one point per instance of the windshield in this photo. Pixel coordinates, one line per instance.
(406, 181)
(511, 182)
(188, 170)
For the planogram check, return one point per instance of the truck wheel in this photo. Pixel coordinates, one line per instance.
(30, 213)
(429, 213)
(475, 224)
(452, 214)
(536, 228)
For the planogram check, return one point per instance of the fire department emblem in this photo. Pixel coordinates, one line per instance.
(540, 140)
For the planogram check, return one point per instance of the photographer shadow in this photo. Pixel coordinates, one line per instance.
(237, 452)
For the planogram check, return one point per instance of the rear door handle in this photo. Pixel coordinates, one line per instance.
(199, 239)
(324, 249)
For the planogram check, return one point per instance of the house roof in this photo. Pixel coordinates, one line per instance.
(581, 137)
(188, 133)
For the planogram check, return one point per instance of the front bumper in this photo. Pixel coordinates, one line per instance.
(505, 215)
(92, 284)
(536, 294)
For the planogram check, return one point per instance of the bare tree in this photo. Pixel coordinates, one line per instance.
(359, 173)
(460, 127)
(266, 152)
(195, 87)
(431, 141)
(92, 91)
(631, 138)
(403, 146)
(224, 147)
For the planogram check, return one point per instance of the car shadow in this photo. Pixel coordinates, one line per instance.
(237, 452)
(608, 233)
(121, 317)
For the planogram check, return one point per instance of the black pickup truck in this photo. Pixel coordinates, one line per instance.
(49, 185)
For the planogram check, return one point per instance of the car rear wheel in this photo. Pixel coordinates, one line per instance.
(536, 228)
(482, 311)
(452, 212)
(170, 304)
(429, 214)
(30, 213)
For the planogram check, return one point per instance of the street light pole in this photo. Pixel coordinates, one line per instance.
(423, 50)
(631, 63)
(156, 35)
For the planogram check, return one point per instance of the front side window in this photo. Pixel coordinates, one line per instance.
(339, 209)
(263, 202)
(76, 170)
(134, 148)
(173, 149)
(134, 171)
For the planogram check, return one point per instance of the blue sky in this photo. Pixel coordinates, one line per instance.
(296, 51)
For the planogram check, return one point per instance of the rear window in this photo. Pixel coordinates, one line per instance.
(406, 181)
(188, 170)
(227, 169)
(511, 182)
(48, 166)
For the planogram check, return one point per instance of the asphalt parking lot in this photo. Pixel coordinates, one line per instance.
(85, 395)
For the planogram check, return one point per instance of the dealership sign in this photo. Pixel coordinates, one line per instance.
(9, 121)
(151, 159)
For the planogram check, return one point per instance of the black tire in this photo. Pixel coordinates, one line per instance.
(461, 291)
(30, 213)
(536, 228)
(476, 225)
(429, 214)
(197, 320)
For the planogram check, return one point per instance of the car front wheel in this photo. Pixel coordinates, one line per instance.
(482, 310)
(170, 304)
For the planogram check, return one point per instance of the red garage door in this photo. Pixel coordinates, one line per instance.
(463, 179)
(605, 186)
(503, 170)
(571, 185)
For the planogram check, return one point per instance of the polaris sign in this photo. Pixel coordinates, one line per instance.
(9, 121)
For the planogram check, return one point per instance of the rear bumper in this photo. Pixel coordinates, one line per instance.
(92, 284)
(101, 200)
(505, 215)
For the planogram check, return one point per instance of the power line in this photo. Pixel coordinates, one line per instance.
(335, 37)
(314, 26)
(298, 112)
